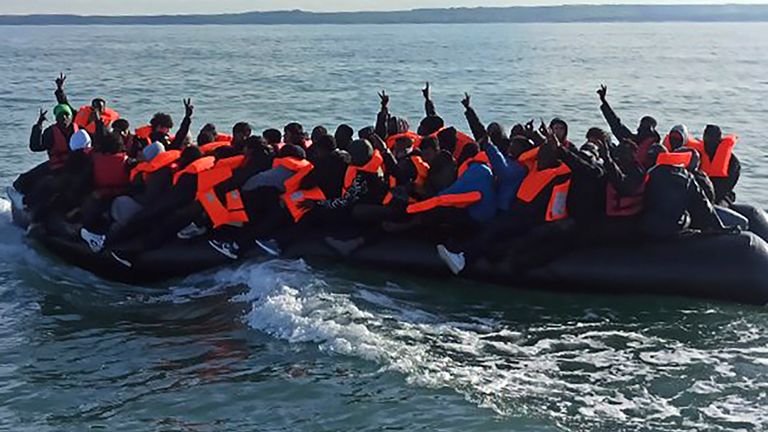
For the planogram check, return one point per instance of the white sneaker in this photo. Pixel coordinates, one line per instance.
(269, 246)
(191, 231)
(228, 249)
(454, 261)
(95, 241)
(16, 197)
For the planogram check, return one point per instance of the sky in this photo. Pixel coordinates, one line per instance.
(156, 7)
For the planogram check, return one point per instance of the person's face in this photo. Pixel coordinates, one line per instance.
(64, 119)
(242, 136)
(712, 138)
(288, 137)
(560, 131)
(402, 148)
(428, 154)
(675, 140)
(163, 130)
(99, 105)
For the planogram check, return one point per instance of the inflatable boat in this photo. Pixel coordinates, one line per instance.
(730, 267)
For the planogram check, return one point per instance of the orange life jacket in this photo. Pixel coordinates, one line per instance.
(717, 167)
(462, 140)
(59, 151)
(537, 181)
(374, 166)
(674, 158)
(204, 163)
(232, 210)
(460, 200)
(692, 142)
(422, 170)
(144, 132)
(110, 176)
(481, 157)
(392, 139)
(162, 160)
(223, 137)
(208, 149)
(83, 118)
(294, 195)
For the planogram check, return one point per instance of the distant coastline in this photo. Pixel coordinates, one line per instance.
(541, 14)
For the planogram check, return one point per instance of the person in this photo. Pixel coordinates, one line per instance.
(674, 204)
(160, 126)
(541, 199)
(587, 192)
(293, 133)
(84, 116)
(431, 123)
(679, 137)
(65, 193)
(429, 149)
(274, 138)
(625, 183)
(241, 131)
(719, 163)
(54, 140)
(343, 136)
(560, 129)
(645, 135)
(330, 165)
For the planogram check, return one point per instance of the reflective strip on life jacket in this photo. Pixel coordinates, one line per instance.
(557, 208)
(682, 159)
(414, 137)
(717, 167)
(162, 160)
(461, 200)
(293, 199)
(199, 165)
(83, 118)
(110, 177)
(59, 151)
(208, 149)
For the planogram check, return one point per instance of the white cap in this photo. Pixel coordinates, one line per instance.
(80, 140)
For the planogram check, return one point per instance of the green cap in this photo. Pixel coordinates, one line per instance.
(62, 109)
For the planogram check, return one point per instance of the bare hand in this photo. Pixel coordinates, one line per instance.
(384, 98)
(41, 118)
(189, 109)
(543, 128)
(466, 100)
(528, 127)
(602, 92)
(425, 91)
(60, 81)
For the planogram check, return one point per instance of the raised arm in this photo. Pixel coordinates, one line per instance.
(614, 122)
(475, 125)
(383, 116)
(429, 106)
(36, 143)
(183, 131)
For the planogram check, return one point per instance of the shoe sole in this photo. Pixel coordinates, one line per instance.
(121, 261)
(224, 252)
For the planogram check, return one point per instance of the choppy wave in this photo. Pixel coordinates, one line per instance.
(580, 371)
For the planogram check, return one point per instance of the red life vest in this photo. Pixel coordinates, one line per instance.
(210, 174)
(210, 148)
(617, 205)
(83, 118)
(392, 139)
(110, 176)
(162, 160)
(717, 167)
(59, 151)
(204, 163)
(538, 181)
(294, 195)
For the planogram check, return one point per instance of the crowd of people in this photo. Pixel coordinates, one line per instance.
(527, 194)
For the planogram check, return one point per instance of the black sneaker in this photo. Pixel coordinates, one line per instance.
(228, 249)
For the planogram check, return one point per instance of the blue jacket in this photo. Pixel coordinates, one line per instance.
(509, 174)
(477, 178)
